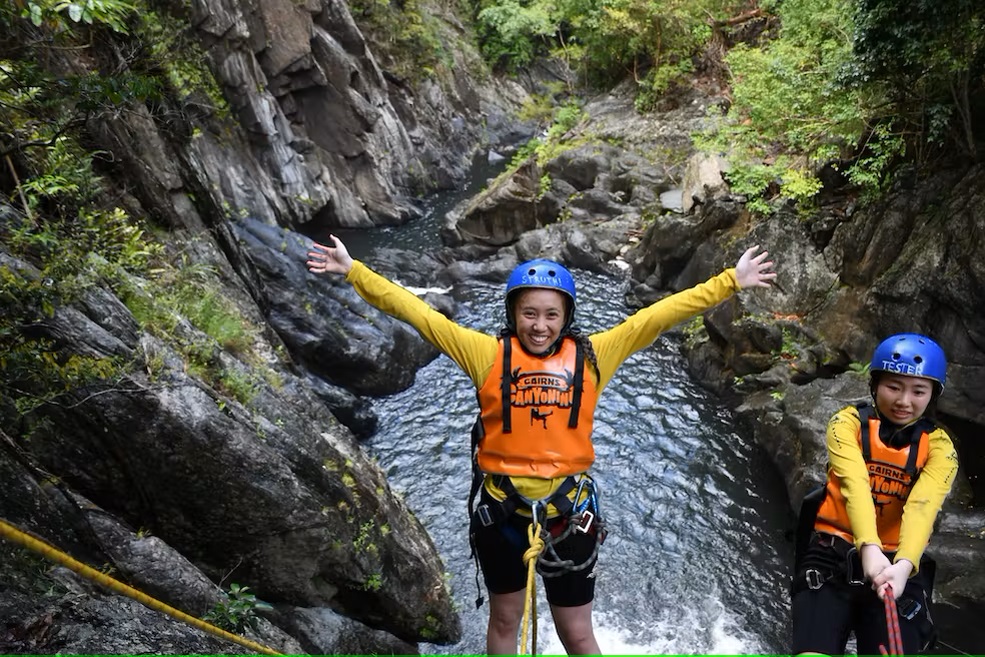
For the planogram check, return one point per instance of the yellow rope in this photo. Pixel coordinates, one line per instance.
(11, 533)
(530, 600)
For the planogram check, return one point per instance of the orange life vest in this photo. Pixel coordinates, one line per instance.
(892, 473)
(537, 413)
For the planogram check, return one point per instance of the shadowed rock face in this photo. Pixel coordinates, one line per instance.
(271, 492)
(328, 328)
(275, 494)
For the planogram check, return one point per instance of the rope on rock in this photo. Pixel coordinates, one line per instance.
(15, 535)
(530, 558)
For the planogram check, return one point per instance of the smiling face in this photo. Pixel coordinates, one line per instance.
(903, 399)
(539, 315)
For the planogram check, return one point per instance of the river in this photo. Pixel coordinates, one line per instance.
(697, 556)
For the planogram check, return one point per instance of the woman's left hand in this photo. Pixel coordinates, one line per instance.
(752, 271)
(895, 576)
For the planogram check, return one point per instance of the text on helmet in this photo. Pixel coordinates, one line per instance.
(902, 368)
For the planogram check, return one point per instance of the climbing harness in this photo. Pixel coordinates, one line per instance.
(584, 518)
(15, 535)
(840, 560)
(892, 625)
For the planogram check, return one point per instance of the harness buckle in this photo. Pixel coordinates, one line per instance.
(853, 568)
(585, 522)
(908, 607)
(815, 579)
(484, 514)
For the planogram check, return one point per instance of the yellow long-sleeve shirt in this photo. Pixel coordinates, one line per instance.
(846, 462)
(475, 352)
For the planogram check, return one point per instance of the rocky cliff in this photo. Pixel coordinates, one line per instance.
(194, 464)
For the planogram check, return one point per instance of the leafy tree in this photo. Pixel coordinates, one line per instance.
(789, 113)
(514, 32)
(404, 34)
(929, 55)
(54, 211)
(654, 41)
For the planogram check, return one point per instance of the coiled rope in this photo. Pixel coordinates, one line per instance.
(530, 558)
(15, 535)
(892, 624)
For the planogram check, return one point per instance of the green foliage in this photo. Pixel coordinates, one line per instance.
(431, 627)
(404, 34)
(791, 113)
(871, 171)
(52, 13)
(174, 294)
(655, 41)
(237, 611)
(554, 141)
(659, 80)
(566, 117)
(67, 230)
(861, 369)
(856, 85)
(541, 107)
(374, 582)
(929, 55)
(69, 254)
(238, 384)
(40, 94)
(364, 541)
(513, 32)
(173, 49)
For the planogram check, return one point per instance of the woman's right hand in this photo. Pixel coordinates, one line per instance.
(335, 259)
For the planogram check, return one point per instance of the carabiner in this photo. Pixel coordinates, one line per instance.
(579, 505)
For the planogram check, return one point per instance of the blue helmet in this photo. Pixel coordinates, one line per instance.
(910, 354)
(540, 273)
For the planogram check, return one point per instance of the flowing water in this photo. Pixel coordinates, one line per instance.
(696, 560)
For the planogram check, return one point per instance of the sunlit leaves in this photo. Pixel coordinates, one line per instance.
(112, 13)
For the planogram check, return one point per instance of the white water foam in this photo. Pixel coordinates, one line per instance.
(708, 631)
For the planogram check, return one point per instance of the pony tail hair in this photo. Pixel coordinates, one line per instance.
(586, 346)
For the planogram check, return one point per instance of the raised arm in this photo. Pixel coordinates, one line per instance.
(473, 351)
(640, 330)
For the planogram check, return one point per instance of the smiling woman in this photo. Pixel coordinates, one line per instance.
(540, 304)
(538, 385)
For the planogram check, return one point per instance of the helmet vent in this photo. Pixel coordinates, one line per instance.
(917, 359)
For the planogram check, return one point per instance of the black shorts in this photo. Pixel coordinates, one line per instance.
(824, 618)
(500, 549)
